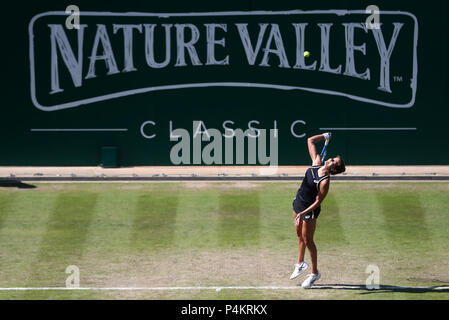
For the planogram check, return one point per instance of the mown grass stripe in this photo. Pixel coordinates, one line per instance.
(65, 238)
(436, 208)
(405, 221)
(197, 222)
(5, 199)
(239, 222)
(24, 226)
(359, 215)
(330, 224)
(154, 221)
(68, 226)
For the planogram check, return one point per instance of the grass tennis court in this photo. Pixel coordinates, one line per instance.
(221, 234)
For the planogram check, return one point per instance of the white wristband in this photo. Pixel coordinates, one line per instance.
(326, 135)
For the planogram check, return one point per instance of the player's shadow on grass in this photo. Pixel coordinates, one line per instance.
(12, 183)
(381, 289)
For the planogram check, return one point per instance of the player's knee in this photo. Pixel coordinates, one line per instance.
(308, 241)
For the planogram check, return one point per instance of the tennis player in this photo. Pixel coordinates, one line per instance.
(307, 206)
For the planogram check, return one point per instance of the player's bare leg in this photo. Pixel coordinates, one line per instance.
(301, 266)
(308, 230)
(301, 245)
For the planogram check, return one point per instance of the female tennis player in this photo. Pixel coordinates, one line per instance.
(307, 206)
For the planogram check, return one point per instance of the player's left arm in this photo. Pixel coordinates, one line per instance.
(314, 155)
(322, 193)
(311, 146)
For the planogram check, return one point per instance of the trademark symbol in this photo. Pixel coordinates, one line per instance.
(397, 79)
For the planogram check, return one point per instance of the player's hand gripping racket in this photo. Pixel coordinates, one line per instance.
(327, 136)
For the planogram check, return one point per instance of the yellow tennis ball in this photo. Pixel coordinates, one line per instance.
(306, 54)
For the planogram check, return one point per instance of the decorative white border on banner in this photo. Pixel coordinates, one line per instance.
(81, 102)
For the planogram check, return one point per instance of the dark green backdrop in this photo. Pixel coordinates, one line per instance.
(26, 141)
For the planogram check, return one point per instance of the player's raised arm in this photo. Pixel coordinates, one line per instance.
(316, 159)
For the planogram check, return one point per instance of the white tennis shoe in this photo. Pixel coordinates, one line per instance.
(311, 280)
(299, 269)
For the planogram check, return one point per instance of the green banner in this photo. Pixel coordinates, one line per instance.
(241, 83)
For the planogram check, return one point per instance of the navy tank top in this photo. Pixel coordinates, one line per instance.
(308, 190)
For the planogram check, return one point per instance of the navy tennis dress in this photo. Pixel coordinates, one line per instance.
(307, 193)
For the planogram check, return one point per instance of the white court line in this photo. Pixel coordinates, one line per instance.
(322, 286)
(146, 288)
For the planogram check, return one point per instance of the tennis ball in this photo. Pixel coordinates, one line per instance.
(306, 54)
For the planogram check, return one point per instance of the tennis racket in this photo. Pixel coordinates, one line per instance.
(324, 151)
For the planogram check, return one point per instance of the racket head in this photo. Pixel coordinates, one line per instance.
(324, 151)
